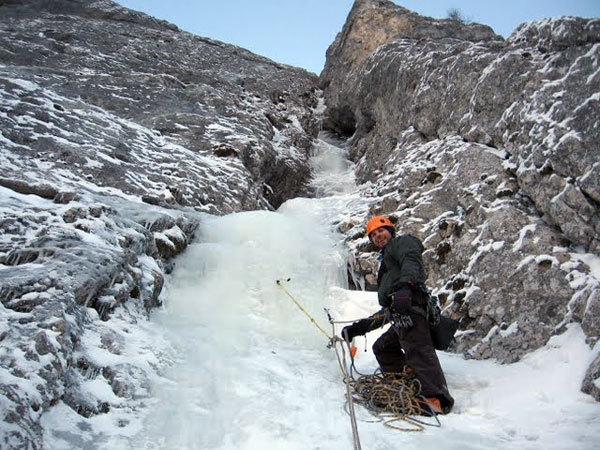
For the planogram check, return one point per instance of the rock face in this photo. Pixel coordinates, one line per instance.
(117, 133)
(168, 99)
(488, 151)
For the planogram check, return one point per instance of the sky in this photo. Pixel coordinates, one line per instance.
(249, 370)
(298, 32)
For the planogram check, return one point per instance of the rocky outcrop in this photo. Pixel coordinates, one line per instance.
(118, 132)
(487, 150)
(174, 113)
(70, 275)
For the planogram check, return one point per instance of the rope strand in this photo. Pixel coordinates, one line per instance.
(311, 318)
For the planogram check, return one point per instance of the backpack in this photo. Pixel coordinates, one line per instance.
(442, 328)
(432, 308)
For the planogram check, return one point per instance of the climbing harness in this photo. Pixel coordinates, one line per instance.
(391, 397)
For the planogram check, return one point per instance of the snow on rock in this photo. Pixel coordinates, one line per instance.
(119, 133)
(485, 149)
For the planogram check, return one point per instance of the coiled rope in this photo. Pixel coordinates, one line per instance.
(391, 397)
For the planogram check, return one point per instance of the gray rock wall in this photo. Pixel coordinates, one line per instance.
(64, 60)
(488, 151)
(117, 133)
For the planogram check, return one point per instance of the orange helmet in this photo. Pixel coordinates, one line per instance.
(378, 222)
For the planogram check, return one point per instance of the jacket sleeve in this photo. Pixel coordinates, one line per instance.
(374, 321)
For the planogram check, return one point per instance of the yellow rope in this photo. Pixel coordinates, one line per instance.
(332, 342)
(312, 319)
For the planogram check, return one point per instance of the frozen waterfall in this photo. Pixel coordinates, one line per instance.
(250, 367)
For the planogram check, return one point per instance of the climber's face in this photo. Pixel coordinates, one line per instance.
(380, 237)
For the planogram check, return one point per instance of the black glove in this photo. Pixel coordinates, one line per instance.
(401, 301)
(400, 307)
(358, 328)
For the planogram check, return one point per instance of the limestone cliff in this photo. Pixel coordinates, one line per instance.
(488, 151)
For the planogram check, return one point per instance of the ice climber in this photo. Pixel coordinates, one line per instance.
(407, 345)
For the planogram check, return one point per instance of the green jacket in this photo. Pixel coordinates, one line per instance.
(402, 263)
